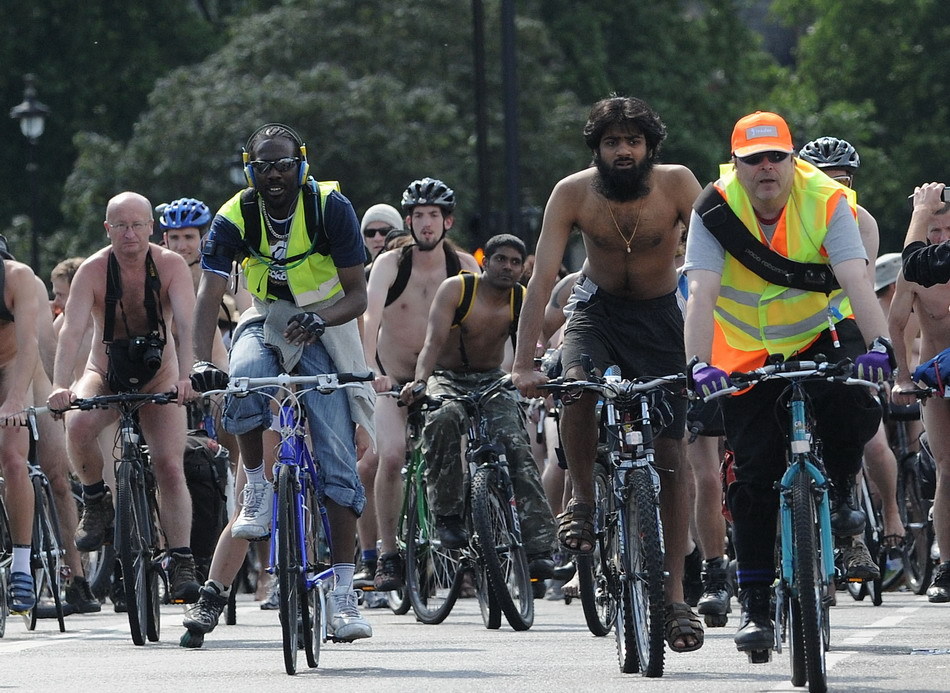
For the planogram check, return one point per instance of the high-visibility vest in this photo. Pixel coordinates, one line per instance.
(755, 318)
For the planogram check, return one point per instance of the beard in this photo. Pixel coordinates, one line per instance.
(425, 246)
(623, 185)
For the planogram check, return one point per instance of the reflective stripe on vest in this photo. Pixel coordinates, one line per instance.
(755, 318)
(314, 279)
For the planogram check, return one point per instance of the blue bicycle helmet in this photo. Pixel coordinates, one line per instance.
(185, 213)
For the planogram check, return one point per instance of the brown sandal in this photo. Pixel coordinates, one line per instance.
(681, 622)
(576, 525)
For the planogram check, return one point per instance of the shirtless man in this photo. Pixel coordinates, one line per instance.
(464, 356)
(629, 209)
(930, 306)
(401, 288)
(129, 224)
(19, 356)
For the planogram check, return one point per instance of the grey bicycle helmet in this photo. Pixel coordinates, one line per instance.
(830, 152)
(428, 191)
(184, 213)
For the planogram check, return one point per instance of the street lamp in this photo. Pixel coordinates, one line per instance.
(32, 116)
(236, 168)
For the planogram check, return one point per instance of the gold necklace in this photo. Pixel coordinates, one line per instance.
(617, 226)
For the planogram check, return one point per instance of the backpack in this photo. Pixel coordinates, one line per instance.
(935, 373)
(468, 295)
(206, 474)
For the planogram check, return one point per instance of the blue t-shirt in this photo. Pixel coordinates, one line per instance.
(340, 223)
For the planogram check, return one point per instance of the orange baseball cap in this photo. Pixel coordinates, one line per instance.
(761, 132)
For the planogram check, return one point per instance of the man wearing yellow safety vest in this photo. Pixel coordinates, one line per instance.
(302, 253)
(741, 311)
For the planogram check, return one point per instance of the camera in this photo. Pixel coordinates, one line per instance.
(147, 350)
(944, 197)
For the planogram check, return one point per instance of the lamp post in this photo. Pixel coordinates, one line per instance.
(32, 116)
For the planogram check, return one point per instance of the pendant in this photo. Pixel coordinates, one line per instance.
(628, 250)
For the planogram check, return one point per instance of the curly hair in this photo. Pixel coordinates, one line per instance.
(625, 110)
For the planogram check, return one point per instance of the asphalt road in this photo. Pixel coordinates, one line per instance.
(903, 645)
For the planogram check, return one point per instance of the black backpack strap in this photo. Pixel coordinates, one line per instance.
(113, 295)
(775, 268)
(153, 287)
(403, 270)
(5, 313)
(252, 219)
(465, 300)
(452, 263)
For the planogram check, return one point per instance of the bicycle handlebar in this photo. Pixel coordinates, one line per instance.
(612, 389)
(794, 370)
(322, 382)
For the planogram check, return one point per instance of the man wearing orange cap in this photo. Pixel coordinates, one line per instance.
(739, 313)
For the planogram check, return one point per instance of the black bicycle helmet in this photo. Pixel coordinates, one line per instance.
(185, 213)
(830, 152)
(428, 191)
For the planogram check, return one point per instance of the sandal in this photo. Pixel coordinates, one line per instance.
(892, 541)
(22, 593)
(682, 623)
(576, 525)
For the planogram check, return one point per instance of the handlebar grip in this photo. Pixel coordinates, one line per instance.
(363, 377)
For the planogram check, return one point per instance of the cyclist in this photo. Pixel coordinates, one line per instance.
(839, 160)
(146, 345)
(19, 356)
(399, 295)
(736, 318)
(463, 353)
(929, 304)
(307, 297)
(629, 209)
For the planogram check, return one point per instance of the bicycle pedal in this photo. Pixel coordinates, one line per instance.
(759, 656)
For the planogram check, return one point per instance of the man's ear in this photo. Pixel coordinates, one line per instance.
(448, 221)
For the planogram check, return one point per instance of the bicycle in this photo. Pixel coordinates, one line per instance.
(804, 591)
(300, 546)
(6, 560)
(626, 573)
(138, 541)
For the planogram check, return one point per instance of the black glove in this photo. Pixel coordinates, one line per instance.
(312, 323)
(206, 376)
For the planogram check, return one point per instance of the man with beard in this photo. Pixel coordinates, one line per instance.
(463, 352)
(401, 288)
(629, 209)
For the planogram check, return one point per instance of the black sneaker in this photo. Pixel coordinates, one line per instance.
(717, 588)
(693, 577)
(939, 590)
(451, 531)
(95, 525)
(389, 572)
(846, 519)
(117, 595)
(756, 630)
(183, 584)
(204, 615)
(79, 596)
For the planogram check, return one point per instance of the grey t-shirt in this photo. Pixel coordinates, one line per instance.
(842, 242)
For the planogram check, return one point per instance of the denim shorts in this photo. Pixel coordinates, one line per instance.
(331, 426)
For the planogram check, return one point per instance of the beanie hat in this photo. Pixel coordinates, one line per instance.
(383, 213)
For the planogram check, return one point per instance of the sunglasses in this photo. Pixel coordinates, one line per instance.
(756, 159)
(282, 165)
(844, 180)
(369, 233)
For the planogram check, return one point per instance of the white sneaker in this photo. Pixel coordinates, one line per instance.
(254, 520)
(345, 622)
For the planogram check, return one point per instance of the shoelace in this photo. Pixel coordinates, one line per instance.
(345, 604)
(252, 500)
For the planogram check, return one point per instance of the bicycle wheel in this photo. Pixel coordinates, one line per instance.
(6, 556)
(433, 576)
(289, 574)
(504, 556)
(316, 548)
(806, 546)
(592, 570)
(134, 544)
(644, 570)
(918, 530)
(153, 612)
(48, 553)
(620, 590)
(796, 642)
(487, 602)
(99, 566)
(398, 601)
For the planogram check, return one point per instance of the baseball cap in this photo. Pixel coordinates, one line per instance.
(761, 132)
(384, 213)
(887, 269)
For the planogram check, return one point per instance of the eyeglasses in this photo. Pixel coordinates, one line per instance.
(845, 180)
(122, 228)
(756, 159)
(369, 233)
(282, 165)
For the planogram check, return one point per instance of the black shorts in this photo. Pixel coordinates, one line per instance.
(644, 338)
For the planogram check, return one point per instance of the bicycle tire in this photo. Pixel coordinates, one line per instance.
(315, 545)
(153, 614)
(918, 530)
(501, 550)
(810, 585)
(433, 578)
(796, 643)
(487, 602)
(398, 601)
(98, 567)
(48, 552)
(6, 557)
(644, 570)
(289, 575)
(133, 545)
(624, 633)
(599, 608)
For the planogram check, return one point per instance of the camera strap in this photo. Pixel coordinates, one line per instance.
(114, 297)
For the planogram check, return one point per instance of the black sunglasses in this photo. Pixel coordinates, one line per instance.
(756, 159)
(369, 233)
(282, 165)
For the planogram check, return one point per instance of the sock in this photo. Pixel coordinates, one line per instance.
(222, 590)
(180, 551)
(94, 491)
(343, 572)
(21, 559)
(256, 475)
(370, 555)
